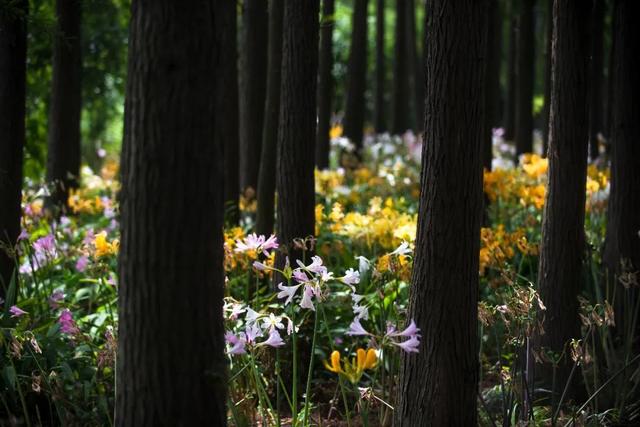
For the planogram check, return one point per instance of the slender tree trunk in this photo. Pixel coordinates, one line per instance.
(325, 84)
(596, 77)
(622, 248)
(510, 104)
(267, 177)
(171, 367)
(547, 80)
(356, 76)
(13, 60)
(563, 247)
(438, 386)
(400, 115)
(524, 91)
(492, 93)
(294, 179)
(412, 61)
(228, 109)
(380, 119)
(254, 87)
(63, 159)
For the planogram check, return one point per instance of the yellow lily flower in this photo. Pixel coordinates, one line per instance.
(353, 370)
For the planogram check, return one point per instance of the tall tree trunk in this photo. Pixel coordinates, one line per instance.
(13, 60)
(563, 246)
(439, 385)
(380, 119)
(415, 63)
(524, 90)
(325, 84)
(595, 77)
(63, 158)
(254, 87)
(547, 80)
(623, 218)
(492, 93)
(171, 367)
(356, 76)
(510, 104)
(267, 177)
(400, 114)
(228, 109)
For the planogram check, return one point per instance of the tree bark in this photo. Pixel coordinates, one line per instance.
(13, 60)
(295, 179)
(63, 158)
(267, 177)
(400, 116)
(623, 219)
(356, 76)
(547, 80)
(380, 119)
(438, 385)
(171, 367)
(254, 87)
(563, 246)
(524, 90)
(228, 108)
(510, 104)
(596, 78)
(325, 84)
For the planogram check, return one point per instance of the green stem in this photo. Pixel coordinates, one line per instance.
(310, 372)
(294, 397)
(262, 394)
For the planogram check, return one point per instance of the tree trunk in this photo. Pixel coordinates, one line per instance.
(171, 367)
(13, 59)
(510, 107)
(563, 247)
(547, 80)
(412, 64)
(228, 109)
(438, 386)
(254, 87)
(623, 219)
(325, 84)
(492, 94)
(296, 133)
(356, 76)
(524, 75)
(267, 177)
(595, 77)
(63, 158)
(380, 119)
(400, 116)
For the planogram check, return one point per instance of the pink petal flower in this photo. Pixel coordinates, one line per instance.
(355, 328)
(306, 301)
(287, 292)
(409, 331)
(16, 311)
(274, 339)
(410, 345)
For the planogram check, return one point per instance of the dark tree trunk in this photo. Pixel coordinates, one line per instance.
(13, 60)
(439, 385)
(356, 76)
(296, 133)
(400, 114)
(595, 77)
(63, 158)
(547, 80)
(254, 87)
(416, 78)
(563, 246)
(228, 108)
(524, 90)
(492, 93)
(325, 84)
(380, 119)
(171, 367)
(510, 102)
(267, 177)
(623, 217)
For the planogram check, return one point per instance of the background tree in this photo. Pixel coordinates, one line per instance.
(547, 79)
(325, 84)
(380, 121)
(63, 159)
(400, 113)
(563, 247)
(228, 108)
(253, 89)
(171, 366)
(492, 92)
(267, 177)
(596, 78)
(415, 63)
(13, 60)
(357, 76)
(524, 76)
(438, 385)
(510, 101)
